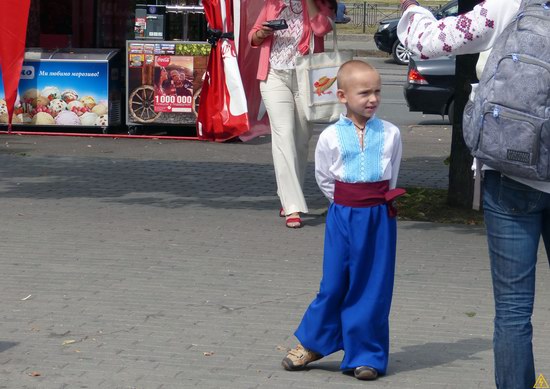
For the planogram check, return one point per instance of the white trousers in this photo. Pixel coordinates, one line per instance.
(290, 134)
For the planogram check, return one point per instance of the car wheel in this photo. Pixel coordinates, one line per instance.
(400, 53)
(451, 111)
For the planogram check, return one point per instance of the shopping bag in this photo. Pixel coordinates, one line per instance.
(316, 74)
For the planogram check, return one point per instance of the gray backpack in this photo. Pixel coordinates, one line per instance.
(507, 126)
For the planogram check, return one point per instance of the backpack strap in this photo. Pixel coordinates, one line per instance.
(476, 201)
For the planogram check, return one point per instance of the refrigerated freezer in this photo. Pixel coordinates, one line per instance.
(69, 89)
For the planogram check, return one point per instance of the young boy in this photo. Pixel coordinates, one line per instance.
(356, 165)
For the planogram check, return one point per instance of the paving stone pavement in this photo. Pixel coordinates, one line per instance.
(163, 264)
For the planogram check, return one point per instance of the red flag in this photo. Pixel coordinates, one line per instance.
(13, 30)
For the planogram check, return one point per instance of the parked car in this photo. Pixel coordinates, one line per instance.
(430, 86)
(386, 36)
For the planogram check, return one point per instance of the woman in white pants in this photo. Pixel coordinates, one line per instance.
(279, 88)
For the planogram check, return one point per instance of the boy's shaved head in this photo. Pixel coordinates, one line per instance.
(347, 71)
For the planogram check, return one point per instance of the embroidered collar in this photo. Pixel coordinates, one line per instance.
(347, 121)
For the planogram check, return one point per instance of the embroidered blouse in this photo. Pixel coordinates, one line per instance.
(472, 32)
(339, 156)
(285, 42)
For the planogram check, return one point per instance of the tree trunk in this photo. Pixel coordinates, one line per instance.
(461, 183)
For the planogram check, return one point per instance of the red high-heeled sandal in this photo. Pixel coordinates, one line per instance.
(294, 222)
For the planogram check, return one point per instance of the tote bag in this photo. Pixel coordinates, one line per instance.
(316, 75)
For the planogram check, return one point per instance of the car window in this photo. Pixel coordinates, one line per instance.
(451, 11)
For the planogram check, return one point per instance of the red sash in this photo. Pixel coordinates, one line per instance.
(367, 194)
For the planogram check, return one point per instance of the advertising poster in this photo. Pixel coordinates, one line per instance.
(61, 93)
(173, 83)
(167, 89)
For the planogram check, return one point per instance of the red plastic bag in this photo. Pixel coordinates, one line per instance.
(223, 112)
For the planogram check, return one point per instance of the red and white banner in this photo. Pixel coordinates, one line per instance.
(13, 30)
(248, 64)
(223, 112)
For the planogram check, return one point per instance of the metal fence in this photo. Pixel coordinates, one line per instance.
(368, 15)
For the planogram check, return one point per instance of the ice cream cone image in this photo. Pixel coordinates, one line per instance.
(43, 118)
(88, 101)
(42, 101)
(56, 106)
(3, 107)
(69, 95)
(89, 118)
(100, 109)
(102, 121)
(67, 118)
(29, 99)
(51, 93)
(322, 84)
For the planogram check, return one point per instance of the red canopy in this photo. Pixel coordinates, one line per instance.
(13, 30)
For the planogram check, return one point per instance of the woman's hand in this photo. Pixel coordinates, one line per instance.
(312, 8)
(261, 34)
(407, 3)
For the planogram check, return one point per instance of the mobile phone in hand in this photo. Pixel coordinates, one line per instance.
(277, 24)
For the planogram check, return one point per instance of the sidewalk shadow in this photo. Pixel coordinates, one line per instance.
(434, 122)
(455, 228)
(424, 356)
(161, 183)
(7, 345)
(428, 355)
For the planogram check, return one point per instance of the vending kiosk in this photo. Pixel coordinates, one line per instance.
(165, 65)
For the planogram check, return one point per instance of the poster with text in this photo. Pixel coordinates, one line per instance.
(155, 94)
(173, 83)
(61, 93)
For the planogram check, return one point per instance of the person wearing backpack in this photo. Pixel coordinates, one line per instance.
(507, 128)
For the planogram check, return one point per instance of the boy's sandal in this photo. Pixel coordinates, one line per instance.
(294, 222)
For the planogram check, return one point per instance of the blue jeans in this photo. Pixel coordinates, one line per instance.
(516, 216)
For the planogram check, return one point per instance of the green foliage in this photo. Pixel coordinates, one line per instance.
(423, 204)
(193, 49)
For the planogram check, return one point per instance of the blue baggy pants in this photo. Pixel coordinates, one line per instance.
(351, 310)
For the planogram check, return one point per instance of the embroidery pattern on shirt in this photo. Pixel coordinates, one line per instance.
(284, 49)
(361, 165)
(453, 32)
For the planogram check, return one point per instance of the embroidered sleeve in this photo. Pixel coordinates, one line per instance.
(323, 162)
(468, 33)
(396, 158)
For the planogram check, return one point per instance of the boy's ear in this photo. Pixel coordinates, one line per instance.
(341, 96)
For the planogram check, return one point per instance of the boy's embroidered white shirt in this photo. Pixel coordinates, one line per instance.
(338, 155)
(473, 32)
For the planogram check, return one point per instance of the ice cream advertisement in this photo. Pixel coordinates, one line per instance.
(61, 93)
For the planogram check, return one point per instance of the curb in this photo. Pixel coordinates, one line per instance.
(351, 37)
